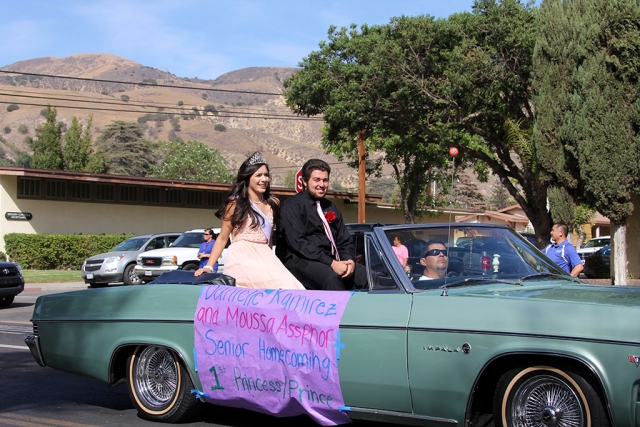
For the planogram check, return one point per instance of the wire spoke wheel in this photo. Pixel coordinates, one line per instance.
(547, 396)
(545, 400)
(156, 377)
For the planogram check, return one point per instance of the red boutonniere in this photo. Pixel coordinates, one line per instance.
(330, 216)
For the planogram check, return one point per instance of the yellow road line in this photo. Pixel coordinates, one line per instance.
(29, 421)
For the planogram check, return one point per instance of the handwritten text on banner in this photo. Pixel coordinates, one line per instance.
(272, 351)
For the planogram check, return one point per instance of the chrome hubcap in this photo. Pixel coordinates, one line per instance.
(545, 400)
(156, 377)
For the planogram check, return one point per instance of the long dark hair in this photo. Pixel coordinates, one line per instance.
(240, 196)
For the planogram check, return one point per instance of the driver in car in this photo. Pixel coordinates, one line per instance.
(435, 260)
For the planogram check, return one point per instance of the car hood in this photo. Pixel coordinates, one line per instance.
(129, 254)
(589, 250)
(574, 311)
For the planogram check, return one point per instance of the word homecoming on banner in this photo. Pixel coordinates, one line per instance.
(271, 351)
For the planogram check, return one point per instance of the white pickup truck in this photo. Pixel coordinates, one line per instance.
(181, 255)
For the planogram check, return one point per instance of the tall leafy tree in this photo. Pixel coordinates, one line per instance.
(360, 95)
(420, 85)
(125, 149)
(47, 145)
(191, 160)
(77, 148)
(587, 123)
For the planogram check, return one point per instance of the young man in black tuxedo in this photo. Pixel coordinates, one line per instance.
(314, 243)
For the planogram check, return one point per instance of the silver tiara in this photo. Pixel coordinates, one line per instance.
(257, 159)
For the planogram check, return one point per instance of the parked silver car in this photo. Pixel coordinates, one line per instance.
(117, 265)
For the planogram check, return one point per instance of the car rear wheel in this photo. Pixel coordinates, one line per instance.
(547, 396)
(6, 301)
(190, 267)
(160, 387)
(130, 277)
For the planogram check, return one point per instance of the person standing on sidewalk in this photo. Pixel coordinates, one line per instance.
(205, 248)
(562, 252)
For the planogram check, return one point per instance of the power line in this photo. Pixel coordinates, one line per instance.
(102, 100)
(221, 113)
(85, 79)
(265, 117)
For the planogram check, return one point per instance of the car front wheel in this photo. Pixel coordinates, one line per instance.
(160, 387)
(130, 277)
(547, 396)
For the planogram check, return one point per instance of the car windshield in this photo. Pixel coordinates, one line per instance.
(189, 240)
(133, 244)
(596, 243)
(468, 254)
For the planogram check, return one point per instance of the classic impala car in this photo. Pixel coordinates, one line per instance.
(503, 331)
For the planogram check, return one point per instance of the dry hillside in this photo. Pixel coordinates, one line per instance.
(253, 120)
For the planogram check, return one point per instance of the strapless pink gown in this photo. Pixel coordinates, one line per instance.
(252, 262)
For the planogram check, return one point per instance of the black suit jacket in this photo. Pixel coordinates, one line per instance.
(302, 234)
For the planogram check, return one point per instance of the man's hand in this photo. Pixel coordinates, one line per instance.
(200, 272)
(351, 268)
(339, 267)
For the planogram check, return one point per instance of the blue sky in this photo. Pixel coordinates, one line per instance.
(193, 38)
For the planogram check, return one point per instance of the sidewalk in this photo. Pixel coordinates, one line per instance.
(54, 286)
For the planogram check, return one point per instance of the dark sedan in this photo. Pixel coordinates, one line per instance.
(11, 283)
(598, 264)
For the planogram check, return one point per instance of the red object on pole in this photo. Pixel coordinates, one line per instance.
(362, 179)
(299, 185)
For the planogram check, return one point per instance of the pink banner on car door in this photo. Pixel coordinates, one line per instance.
(271, 351)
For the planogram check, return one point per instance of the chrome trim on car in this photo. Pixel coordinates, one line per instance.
(33, 342)
(399, 415)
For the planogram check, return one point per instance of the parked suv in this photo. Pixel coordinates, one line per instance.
(117, 265)
(11, 282)
(182, 254)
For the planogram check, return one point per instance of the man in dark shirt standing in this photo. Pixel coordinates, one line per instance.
(314, 243)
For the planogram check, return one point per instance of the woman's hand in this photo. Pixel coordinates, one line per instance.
(199, 272)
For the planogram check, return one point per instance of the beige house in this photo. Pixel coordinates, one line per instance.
(61, 202)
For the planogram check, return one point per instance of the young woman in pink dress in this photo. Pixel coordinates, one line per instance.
(249, 214)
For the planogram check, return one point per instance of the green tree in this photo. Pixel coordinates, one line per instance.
(75, 152)
(126, 151)
(420, 85)
(290, 179)
(24, 159)
(191, 160)
(47, 145)
(587, 124)
(348, 82)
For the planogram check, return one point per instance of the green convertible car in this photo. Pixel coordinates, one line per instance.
(476, 322)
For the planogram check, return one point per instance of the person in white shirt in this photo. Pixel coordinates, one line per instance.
(435, 259)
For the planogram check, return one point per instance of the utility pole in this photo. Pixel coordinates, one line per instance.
(362, 179)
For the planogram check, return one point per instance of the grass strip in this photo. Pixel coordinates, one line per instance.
(49, 276)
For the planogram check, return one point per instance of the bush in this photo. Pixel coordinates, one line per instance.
(220, 127)
(180, 103)
(43, 112)
(124, 98)
(210, 109)
(57, 251)
(12, 107)
(6, 129)
(23, 129)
